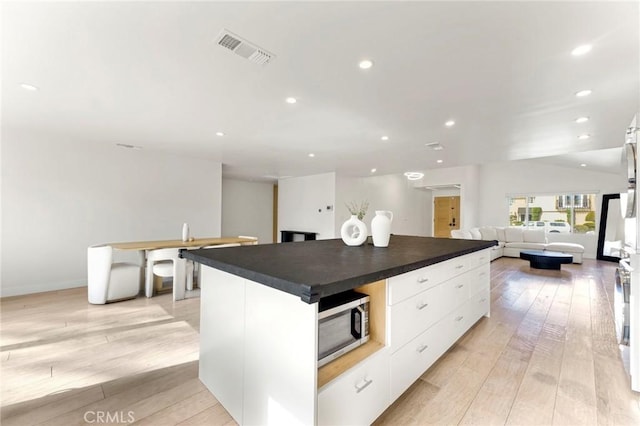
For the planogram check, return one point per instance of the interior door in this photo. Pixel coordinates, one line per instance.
(446, 215)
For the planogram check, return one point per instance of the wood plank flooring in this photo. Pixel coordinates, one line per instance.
(547, 355)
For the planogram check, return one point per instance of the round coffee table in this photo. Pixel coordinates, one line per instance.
(542, 259)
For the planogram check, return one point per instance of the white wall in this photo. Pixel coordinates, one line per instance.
(247, 209)
(527, 176)
(411, 207)
(468, 179)
(449, 192)
(498, 180)
(302, 204)
(60, 197)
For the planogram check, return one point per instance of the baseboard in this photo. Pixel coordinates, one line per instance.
(6, 291)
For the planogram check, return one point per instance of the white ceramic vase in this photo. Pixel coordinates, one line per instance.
(353, 231)
(381, 228)
(185, 232)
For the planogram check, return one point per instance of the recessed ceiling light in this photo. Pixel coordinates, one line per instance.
(374, 170)
(583, 165)
(582, 119)
(584, 136)
(414, 175)
(449, 123)
(291, 100)
(29, 87)
(581, 50)
(439, 161)
(311, 154)
(583, 93)
(365, 64)
(384, 138)
(219, 134)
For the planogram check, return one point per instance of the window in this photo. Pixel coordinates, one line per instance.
(561, 213)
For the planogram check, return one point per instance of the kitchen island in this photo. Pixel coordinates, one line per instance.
(259, 314)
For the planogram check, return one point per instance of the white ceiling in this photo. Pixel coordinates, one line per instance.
(150, 74)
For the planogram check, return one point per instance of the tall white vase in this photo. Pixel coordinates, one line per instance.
(185, 232)
(381, 228)
(353, 231)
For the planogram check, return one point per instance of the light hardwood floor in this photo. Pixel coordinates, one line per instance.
(547, 355)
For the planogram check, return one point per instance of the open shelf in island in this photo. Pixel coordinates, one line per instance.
(377, 293)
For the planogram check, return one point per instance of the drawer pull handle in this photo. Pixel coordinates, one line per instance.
(459, 318)
(421, 306)
(422, 280)
(422, 348)
(460, 286)
(362, 387)
(459, 266)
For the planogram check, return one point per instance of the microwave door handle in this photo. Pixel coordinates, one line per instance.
(356, 321)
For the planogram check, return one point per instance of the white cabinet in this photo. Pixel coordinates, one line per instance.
(479, 304)
(412, 316)
(479, 279)
(428, 310)
(455, 292)
(428, 321)
(403, 286)
(258, 352)
(408, 363)
(222, 338)
(359, 395)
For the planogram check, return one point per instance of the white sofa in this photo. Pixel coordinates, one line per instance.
(511, 240)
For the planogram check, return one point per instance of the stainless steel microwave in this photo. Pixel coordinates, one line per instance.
(343, 324)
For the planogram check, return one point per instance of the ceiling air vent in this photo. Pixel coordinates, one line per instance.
(434, 145)
(244, 48)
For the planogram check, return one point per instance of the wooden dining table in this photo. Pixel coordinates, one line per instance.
(192, 243)
(142, 247)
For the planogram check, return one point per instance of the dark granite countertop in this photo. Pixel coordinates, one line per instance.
(314, 269)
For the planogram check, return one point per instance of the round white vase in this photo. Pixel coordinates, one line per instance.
(381, 228)
(353, 231)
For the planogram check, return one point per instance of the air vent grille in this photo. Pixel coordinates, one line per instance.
(434, 145)
(244, 48)
(229, 42)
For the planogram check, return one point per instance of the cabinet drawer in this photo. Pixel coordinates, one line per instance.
(459, 265)
(408, 364)
(455, 293)
(480, 305)
(359, 396)
(403, 286)
(456, 324)
(463, 317)
(481, 258)
(479, 279)
(414, 315)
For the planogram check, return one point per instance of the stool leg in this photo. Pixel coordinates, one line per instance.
(189, 271)
(157, 283)
(148, 282)
(179, 275)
